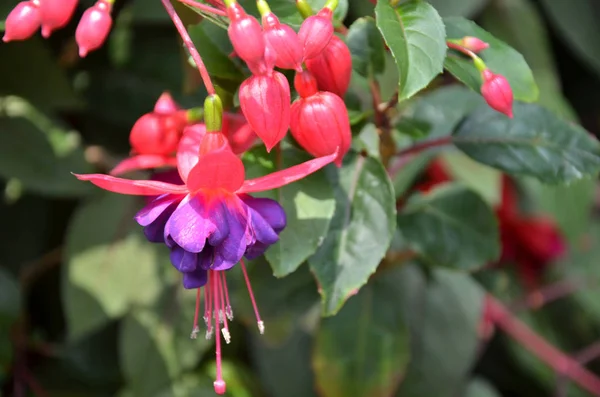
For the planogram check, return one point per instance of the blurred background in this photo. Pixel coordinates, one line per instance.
(88, 308)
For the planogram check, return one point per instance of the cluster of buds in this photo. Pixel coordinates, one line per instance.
(49, 15)
(495, 88)
(318, 120)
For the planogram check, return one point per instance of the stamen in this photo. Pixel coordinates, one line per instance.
(225, 330)
(259, 322)
(208, 290)
(228, 310)
(219, 383)
(195, 328)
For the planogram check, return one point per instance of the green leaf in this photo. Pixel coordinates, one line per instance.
(520, 24)
(360, 231)
(458, 8)
(155, 345)
(27, 154)
(576, 21)
(29, 70)
(414, 32)
(364, 349)
(444, 314)
(451, 226)
(109, 264)
(366, 46)
(214, 47)
(479, 387)
(499, 57)
(309, 205)
(534, 143)
(405, 176)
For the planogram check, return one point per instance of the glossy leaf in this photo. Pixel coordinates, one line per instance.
(366, 46)
(109, 266)
(499, 57)
(534, 143)
(360, 231)
(27, 154)
(451, 226)
(364, 349)
(159, 337)
(415, 34)
(576, 22)
(444, 316)
(309, 205)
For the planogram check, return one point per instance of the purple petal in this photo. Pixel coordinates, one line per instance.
(269, 209)
(153, 210)
(195, 279)
(189, 226)
(231, 250)
(218, 215)
(261, 228)
(182, 260)
(256, 250)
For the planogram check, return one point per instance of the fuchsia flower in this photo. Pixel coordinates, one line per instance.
(333, 67)
(474, 44)
(94, 27)
(497, 92)
(56, 14)
(284, 41)
(23, 21)
(245, 34)
(211, 222)
(315, 32)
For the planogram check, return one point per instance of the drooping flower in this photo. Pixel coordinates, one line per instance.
(497, 92)
(319, 120)
(315, 32)
(23, 21)
(332, 67)
(284, 41)
(211, 222)
(245, 34)
(56, 14)
(94, 26)
(474, 44)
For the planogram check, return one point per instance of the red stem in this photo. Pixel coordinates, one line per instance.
(460, 48)
(419, 147)
(190, 46)
(204, 7)
(539, 347)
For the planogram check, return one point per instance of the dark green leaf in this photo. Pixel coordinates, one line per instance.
(155, 345)
(458, 8)
(499, 57)
(109, 264)
(309, 205)
(407, 172)
(27, 154)
(360, 231)
(414, 32)
(366, 45)
(479, 387)
(534, 143)
(520, 24)
(444, 314)
(577, 22)
(214, 47)
(451, 226)
(364, 349)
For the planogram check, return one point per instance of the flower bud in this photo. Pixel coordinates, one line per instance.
(284, 42)
(56, 14)
(320, 124)
(497, 92)
(22, 22)
(155, 133)
(305, 83)
(239, 133)
(315, 33)
(245, 34)
(166, 104)
(93, 27)
(333, 67)
(265, 102)
(473, 44)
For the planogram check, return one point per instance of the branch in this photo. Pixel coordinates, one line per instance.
(204, 7)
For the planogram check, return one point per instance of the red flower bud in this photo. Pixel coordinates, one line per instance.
(284, 42)
(56, 14)
(238, 132)
(166, 104)
(22, 22)
(315, 33)
(320, 122)
(245, 34)
(497, 92)
(333, 67)
(474, 44)
(93, 27)
(265, 102)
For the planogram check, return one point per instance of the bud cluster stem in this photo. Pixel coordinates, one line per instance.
(203, 7)
(187, 41)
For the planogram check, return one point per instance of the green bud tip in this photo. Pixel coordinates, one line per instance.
(263, 7)
(304, 8)
(194, 114)
(331, 4)
(479, 64)
(213, 113)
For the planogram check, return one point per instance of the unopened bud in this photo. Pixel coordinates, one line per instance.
(245, 34)
(333, 67)
(497, 92)
(473, 44)
(284, 41)
(22, 22)
(93, 27)
(56, 14)
(315, 33)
